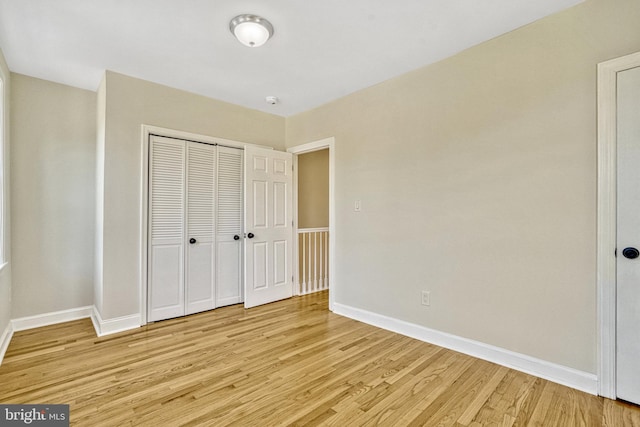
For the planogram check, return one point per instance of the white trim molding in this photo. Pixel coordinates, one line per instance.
(46, 319)
(606, 219)
(115, 325)
(102, 327)
(40, 320)
(5, 339)
(569, 377)
(312, 146)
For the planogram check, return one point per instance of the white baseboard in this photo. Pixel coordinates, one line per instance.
(112, 326)
(5, 339)
(46, 319)
(569, 377)
(102, 327)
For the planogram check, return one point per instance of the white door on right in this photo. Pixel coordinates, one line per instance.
(628, 237)
(268, 226)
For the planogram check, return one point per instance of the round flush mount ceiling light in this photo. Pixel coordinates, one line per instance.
(251, 30)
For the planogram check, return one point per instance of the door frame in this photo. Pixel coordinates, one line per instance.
(303, 149)
(146, 132)
(606, 219)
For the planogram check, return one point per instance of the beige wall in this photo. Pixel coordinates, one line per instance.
(52, 180)
(313, 189)
(130, 103)
(5, 273)
(477, 177)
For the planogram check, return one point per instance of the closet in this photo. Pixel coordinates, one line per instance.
(220, 226)
(195, 247)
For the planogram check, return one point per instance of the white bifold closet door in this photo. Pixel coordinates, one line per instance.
(200, 218)
(166, 234)
(195, 209)
(229, 233)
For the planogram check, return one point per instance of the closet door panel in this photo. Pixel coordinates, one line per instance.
(228, 274)
(167, 274)
(229, 229)
(166, 222)
(200, 244)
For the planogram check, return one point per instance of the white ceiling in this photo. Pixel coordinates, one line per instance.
(321, 49)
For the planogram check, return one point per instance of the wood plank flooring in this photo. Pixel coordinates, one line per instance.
(288, 363)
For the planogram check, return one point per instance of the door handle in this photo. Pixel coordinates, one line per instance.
(236, 237)
(250, 235)
(631, 253)
(192, 240)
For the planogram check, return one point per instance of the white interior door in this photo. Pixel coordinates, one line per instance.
(628, 237)
(166, 236)
(200, 239)
(229, 236)
(268, 219)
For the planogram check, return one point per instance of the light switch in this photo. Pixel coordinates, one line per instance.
(356, 206)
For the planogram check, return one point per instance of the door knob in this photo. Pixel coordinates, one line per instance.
(192, 240)
(236, 237)
(250, 235)
(631, 253)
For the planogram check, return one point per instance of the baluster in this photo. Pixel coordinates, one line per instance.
(314, 283)
(322, 261)
(309, 283)
(326, 260)
(303, 287)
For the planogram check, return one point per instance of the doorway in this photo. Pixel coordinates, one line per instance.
(313, 222)
(311, 242)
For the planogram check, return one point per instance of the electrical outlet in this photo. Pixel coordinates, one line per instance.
(426, 298)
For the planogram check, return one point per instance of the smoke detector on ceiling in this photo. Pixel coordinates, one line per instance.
(273, 100)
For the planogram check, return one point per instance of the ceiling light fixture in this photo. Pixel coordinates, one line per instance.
(251, 30)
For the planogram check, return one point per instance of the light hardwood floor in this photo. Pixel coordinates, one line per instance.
(287, 363)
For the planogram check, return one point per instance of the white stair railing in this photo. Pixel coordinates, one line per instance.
(313, 256)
